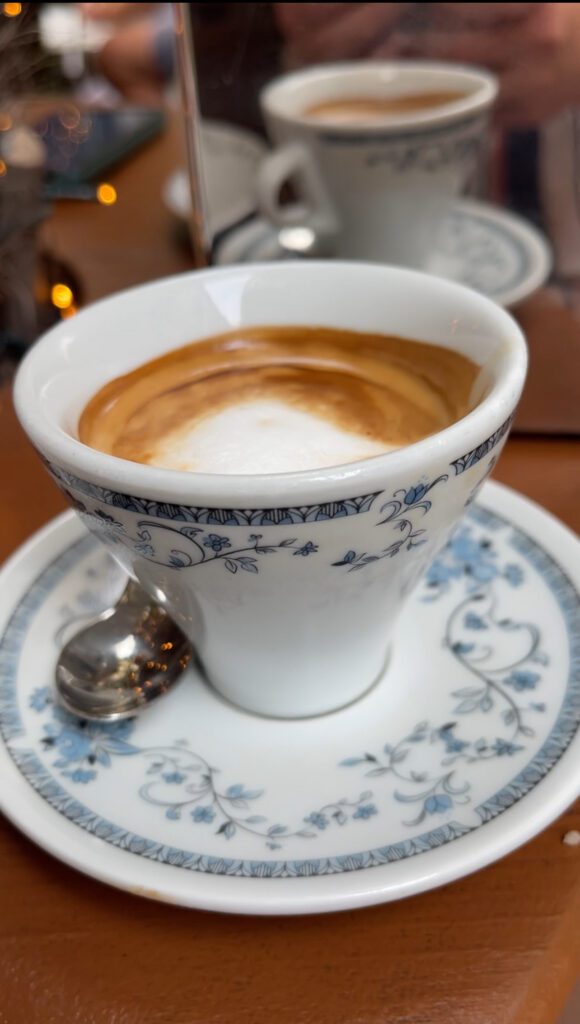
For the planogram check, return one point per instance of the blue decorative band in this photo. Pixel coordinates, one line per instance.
(214, 516)
(476, 454)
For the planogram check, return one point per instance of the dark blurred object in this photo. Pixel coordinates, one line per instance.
(55, 294)
(34, 291)
(21, 211)
(522, 186)
(238, 50)
(24, 71)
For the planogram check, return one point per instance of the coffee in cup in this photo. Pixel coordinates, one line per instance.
(279, 399)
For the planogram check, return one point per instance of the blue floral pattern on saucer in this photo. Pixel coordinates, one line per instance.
(501, 683)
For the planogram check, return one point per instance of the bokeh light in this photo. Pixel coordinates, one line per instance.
(70, 117)
(107, 194)
(12, 10)
(61, 296)
(3, 168)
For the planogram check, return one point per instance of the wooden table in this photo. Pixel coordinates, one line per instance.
(500, 947)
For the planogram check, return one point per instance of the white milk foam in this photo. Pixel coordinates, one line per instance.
(261, 437)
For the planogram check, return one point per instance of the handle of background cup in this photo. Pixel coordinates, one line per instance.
(316, 210)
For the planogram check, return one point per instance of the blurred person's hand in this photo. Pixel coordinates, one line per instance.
(129, 60)
(482, 14)
(325, 32)
(115, 12)
(533, 48)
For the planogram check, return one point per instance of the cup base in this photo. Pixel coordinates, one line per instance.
(249, 708)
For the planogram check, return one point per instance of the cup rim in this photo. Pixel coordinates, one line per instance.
(271, 489)
(480, 99)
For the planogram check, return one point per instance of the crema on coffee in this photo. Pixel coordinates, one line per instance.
(275, 399)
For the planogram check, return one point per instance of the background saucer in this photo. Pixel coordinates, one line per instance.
(488, 248)
(231, 159)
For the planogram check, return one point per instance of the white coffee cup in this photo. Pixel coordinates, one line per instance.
(288, 584)
(375, 191)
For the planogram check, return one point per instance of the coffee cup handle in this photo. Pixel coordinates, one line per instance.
(293, 161)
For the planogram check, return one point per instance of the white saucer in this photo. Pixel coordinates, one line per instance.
(467, 748)
(231, 159)
(488, 248)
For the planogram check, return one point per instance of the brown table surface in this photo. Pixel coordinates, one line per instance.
(499, 947)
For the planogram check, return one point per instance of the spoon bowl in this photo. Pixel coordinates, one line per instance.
(129, 657)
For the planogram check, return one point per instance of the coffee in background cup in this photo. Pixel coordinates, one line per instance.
(370, 109)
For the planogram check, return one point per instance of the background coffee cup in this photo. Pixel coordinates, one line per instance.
(374, 191)
(288, 584)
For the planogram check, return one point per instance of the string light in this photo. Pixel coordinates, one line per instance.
(106, 194)
(12, 10)
(3, 168)
(61, 296)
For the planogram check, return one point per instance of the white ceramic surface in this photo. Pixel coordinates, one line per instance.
(231, 157)
(375, 191)
(200, 804)
(483, 246)
(306, 568)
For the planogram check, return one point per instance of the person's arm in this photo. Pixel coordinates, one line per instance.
(533, 48)
(138, 59)
(326, 32)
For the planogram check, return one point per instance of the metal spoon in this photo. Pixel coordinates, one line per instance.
(132, 655)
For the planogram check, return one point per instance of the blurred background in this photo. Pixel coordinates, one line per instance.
(132, 141)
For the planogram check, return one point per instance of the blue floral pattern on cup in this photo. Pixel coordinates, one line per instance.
(174, 535)
(399, 513)
(191, 546)
(303, 552)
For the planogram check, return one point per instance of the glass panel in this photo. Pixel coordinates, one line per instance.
(440, 136)
(468, 170)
